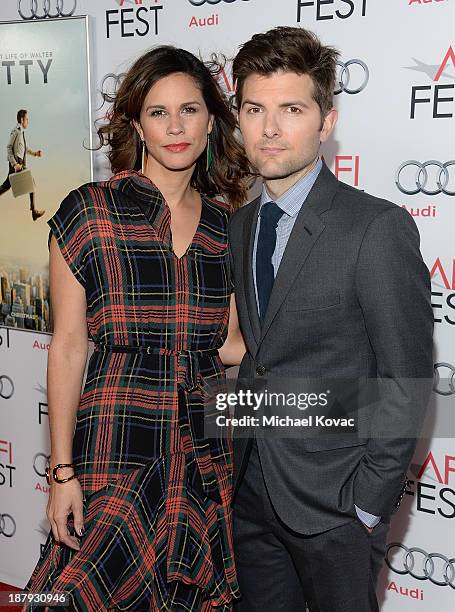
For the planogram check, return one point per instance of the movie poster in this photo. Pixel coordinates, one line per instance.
(44, 70)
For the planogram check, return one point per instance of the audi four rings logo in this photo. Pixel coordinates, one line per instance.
(109, 86)
(201, 2)
(7, 525)
(42, 9)
(445, 174)
(6, 387)
(421, 565)
(449, 375)
(40, 460)
(351, 82)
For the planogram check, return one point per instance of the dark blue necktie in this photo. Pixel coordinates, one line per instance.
(270, 215)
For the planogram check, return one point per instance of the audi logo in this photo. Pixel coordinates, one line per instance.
(344, 77)
(438, 387)
(42, 9)
(421, 565)
(421, 179)
(40, 460)
(6, 387)
(201, 2)
(7, 525)
(109, 86)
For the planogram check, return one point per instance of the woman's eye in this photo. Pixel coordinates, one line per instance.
(254, 109)
(189, 109)
(157, 113)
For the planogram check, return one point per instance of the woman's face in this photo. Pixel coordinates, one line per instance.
(174, 122)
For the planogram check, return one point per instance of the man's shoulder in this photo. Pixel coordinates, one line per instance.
(361, 204)
(238, 217)
(16, 130)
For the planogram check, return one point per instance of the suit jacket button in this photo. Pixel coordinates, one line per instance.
(260, 370)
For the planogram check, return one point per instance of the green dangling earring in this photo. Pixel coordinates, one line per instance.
(209, 161)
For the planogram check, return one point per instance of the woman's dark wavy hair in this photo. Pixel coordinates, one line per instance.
(228, 173)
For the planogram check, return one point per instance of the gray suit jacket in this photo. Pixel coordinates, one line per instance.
(351, 299)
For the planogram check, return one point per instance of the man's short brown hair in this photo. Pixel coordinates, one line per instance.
(21, 114)
(288, 49)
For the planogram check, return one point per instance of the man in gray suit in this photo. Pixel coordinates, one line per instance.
(17, 151)
(329, 283)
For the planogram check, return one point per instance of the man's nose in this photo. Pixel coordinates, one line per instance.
(271, 126)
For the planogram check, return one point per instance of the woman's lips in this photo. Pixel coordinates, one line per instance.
(178, 147)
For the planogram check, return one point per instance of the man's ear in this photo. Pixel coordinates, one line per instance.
(328, 124)
(138, 128)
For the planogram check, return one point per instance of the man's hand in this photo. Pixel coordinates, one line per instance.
(17, 167)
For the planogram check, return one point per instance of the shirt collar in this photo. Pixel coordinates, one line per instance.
(291, 201)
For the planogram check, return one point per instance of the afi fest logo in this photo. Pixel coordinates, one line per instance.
(139, 18)
(347, 169)
(436, 99)
(7, 467)
(442, 274)
(431, 484)
(330, 9)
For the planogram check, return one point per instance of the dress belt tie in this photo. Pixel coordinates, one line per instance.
(151, 350)
(193, 420)
(187, 359)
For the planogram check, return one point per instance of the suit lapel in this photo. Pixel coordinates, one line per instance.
(249, 231)
(307, 229)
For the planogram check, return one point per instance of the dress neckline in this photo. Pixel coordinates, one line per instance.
(151, 202)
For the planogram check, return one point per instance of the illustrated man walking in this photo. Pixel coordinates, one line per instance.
(17, 152)
(329, 282)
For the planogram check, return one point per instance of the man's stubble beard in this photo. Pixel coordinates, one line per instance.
(285, 170)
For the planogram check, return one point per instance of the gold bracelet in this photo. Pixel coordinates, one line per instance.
(54, 473)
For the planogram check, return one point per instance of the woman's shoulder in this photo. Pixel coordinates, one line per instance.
(92, 196)
(218, 206)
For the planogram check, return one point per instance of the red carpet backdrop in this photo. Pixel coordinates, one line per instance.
(396, 98)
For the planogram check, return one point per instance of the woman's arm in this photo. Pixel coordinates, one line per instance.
(65, 371)
(233, 350)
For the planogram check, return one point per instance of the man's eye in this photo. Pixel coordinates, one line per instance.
(294, 109)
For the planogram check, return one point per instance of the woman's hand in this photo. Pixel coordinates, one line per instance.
(233, 350)
(66, 498)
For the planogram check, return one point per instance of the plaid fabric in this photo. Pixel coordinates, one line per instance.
(157, 493)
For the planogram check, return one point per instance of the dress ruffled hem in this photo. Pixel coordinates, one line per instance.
(153, 541)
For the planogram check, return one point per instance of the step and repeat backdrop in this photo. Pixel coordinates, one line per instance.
(396, 98)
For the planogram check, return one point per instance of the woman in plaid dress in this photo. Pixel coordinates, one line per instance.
(140, 264)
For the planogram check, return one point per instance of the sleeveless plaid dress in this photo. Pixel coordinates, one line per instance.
(157, 514)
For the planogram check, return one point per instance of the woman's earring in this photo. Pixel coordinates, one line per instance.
(209, 154)
(144, 157)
